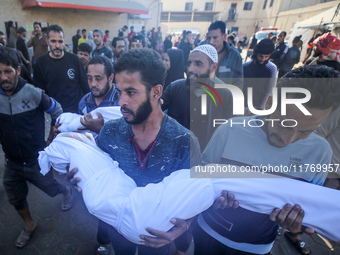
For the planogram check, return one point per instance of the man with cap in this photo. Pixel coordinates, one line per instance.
(137, 42)
(101, 48)
(201, 68)
(263, 70)
(21, 47)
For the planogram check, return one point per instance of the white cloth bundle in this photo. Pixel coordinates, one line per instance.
(71, 121)
(113, 197)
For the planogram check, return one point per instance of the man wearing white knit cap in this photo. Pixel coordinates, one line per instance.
(201, 68)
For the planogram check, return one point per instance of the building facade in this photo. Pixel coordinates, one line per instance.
(244, 17)
(72, 17)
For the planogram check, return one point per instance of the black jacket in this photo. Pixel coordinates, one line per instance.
(184, 105)
(290, 59)
(277, 56)
(22, 121)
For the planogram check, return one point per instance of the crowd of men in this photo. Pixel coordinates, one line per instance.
(130, 71)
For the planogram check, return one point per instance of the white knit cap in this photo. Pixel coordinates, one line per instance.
(208, 50)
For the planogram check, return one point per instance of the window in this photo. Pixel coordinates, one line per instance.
(188, 6)
(248, 6)
(234, 30)
(271, 3)
(264, 4)
(232, 12)
(209, 6)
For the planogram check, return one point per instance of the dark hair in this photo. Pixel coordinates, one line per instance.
(115, 40)
(231, 37)
(10, 23)
(55, 28)
(297, 39)
(145, 61)
(84, 30)
(8, 57)
(120, 34)
(21, 30)
(187, 32)
(132, 27)
(98, 30)
(78, 31)
(107, 31)
(325, 93)
(103, 60)
(219, 24)
(37, 23)
(284, 32)
(2, 33)
(125, 26)
(138, 38)
(85, 47)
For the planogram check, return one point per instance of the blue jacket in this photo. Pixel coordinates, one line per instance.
(87, 103)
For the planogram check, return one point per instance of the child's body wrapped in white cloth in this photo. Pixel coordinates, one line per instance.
(71, 121)
(113, 197)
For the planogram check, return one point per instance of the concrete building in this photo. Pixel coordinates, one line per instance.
(244, 17)
(178, 15)
(287, 19)
(71, 15)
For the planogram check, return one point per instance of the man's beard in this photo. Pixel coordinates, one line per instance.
(258, 63)
(103, 92)
(57, 55)
(12, 88)
(119, 54)
(263, 64)
(202, 76)
(142, 113)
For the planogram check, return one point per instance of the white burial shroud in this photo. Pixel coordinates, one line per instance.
(71, 121)
(113, 197)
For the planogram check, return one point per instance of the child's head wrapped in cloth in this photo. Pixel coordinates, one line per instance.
(77, 149)
(329, 46)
